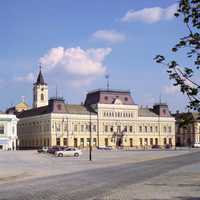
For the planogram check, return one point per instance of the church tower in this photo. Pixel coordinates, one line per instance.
(40, 92)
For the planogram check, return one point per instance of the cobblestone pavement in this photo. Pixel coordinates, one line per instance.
(29, 164)
(175, 177)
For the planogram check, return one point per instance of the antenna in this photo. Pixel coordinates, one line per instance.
(160, 99)
(56, 91)
(107, 76)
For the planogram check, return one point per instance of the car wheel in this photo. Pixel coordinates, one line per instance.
(60, 155)
(76, 155)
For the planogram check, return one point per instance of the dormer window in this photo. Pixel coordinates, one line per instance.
(106, 98)
(126, 99)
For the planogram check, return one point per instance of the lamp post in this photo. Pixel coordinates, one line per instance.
(90, 144)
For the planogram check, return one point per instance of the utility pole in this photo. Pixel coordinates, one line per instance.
(90, 147)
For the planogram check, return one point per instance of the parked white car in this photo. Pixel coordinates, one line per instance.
(197, 145)
(69, 152)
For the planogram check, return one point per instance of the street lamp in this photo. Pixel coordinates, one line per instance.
(90, 144)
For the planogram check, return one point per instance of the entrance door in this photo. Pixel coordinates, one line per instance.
(106, 142)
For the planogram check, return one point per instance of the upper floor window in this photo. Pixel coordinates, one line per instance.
(106, 128)
(165, 129)
(1, 129)
(140, 128)
(131, 129)
(151, 129)
(169, 129)
(145, 128)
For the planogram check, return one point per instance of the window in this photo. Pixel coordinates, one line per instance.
(1, 129)
(111, 129)
(58, 141)
(65, 142)
(141, 141)
(145, 128)
(82, 142)
(42, 97)
(164, 111)
(106, 98)
(118, 128)
(131, 129)
(125, 129)
(165, 141)
(75, 128)
(59, 106)
(126, 99)
(131, 142)
(146, 141)
(156, 129)
(170, 141)
(82, 128)
(156, 141)
(151, 129)
(165, 129)
(94, 128)
(151, 141)
(94, 141)
(140, 129)
(169, 129)
(106, 142)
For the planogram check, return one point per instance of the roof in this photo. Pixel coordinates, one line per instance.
(103, 96)
(78, 109)
(34, 112)
(69, 109)
(40, 79)
(146, 112)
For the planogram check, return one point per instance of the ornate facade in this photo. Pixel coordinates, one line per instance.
(108, 118)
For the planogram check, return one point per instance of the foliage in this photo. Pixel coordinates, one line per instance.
(183, 77)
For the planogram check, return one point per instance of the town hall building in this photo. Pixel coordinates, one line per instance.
(107, 117)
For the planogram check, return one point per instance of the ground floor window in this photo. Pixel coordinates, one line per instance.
(65, 141)
(151, 141)
(146, 141)
(170, 141)
(131, 142)
(58, 141)
(156, 141)
(82, 142)
(94, 141)
(165, 141)
(1, 147)
(106, 142)
(75, 142)
(141, 141)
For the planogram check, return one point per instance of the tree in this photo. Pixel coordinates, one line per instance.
(184, 77)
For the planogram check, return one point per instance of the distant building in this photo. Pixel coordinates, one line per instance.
(187, 128)
(18, 108)
(111, 115)
(8, 132)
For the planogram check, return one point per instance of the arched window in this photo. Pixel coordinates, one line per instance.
(42, 97)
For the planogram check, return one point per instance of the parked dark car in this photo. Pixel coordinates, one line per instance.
(155, 146)
(104, 147)
(53, 149)
(168, 146)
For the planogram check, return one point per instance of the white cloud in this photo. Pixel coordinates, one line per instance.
(77, 62)
(171, 89)
(150, 15)
(110, 36)
(26, 78)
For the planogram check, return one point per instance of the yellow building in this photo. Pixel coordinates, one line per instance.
(111, 116)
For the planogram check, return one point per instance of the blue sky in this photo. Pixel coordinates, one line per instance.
(78, 42)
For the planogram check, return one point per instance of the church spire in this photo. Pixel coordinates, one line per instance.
(40, 78)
